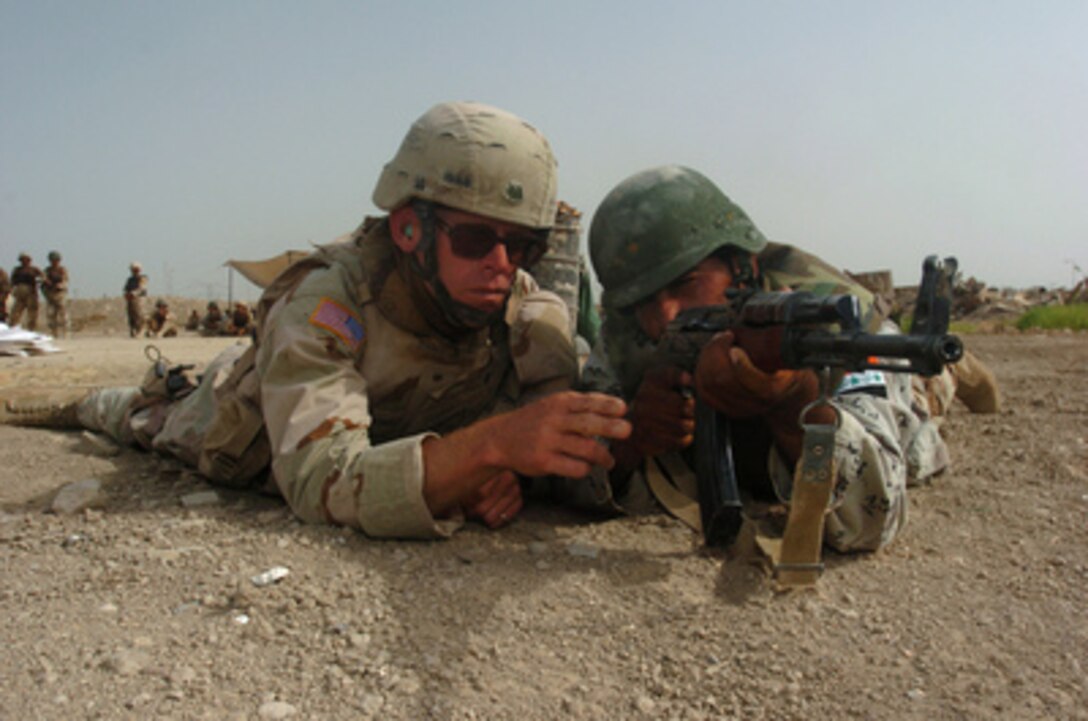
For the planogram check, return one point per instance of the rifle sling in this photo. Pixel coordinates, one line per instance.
(673, 484)
(796, 557)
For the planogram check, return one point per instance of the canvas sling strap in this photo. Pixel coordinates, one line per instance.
(673, 484)
(796, 556)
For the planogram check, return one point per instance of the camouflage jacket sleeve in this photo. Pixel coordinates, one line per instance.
(315, 405)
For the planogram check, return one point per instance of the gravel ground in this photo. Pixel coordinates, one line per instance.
(145, 606)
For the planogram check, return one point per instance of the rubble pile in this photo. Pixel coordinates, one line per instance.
(972, 300)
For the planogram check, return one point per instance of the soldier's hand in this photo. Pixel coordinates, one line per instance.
(497, 501)
(558, 434)
(663, 412)
(728, 380)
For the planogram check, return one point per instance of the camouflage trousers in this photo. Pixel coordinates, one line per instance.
(145, 416)
(56, 312)
(26, 300)
(134, 308)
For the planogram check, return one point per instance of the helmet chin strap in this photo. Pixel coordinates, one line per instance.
(457, 314)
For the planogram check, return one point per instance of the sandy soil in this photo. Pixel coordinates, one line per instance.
(145, 606)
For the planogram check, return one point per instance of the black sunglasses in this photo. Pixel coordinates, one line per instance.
(473, 241)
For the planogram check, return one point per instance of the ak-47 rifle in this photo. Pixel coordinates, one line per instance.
(816, 332)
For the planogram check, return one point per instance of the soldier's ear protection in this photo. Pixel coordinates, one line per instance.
(404, 226)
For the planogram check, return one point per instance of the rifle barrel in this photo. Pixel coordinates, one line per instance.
(855, 351)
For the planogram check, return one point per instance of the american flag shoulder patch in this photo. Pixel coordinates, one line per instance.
(339, 320)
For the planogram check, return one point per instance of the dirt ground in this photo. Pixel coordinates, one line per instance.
(144, 607)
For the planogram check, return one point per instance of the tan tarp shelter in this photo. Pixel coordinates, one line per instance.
(263, 272)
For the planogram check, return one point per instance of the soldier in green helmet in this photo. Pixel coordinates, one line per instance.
(668, 239)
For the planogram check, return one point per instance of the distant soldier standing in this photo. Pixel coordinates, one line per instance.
(24, 286)
(135, 291)
(55, 290)
(5, 291)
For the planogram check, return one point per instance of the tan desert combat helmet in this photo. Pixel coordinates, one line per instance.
(475, 158)
(657, 225)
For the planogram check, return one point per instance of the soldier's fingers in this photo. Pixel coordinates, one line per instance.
(502, 508)
(594, 425)
(496, 492)
(570, 467)
(757, 382)
(503, 514)
(598, 403)
(586, 450)
(488, 486)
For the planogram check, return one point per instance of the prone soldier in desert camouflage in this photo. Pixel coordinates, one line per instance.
(404, 377)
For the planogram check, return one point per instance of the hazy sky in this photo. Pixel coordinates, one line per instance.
(184, 133)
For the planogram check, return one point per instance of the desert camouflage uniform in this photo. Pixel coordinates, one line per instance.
(5, 291)
(148, 416)
(240, 321)
(135, 290)
(55, 290)
(212, 323)
(354, 376)
(886, 442)
(24, 289)
(161, 324)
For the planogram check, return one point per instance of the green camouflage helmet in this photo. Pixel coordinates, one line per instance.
(659, 224)
(475, 158)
